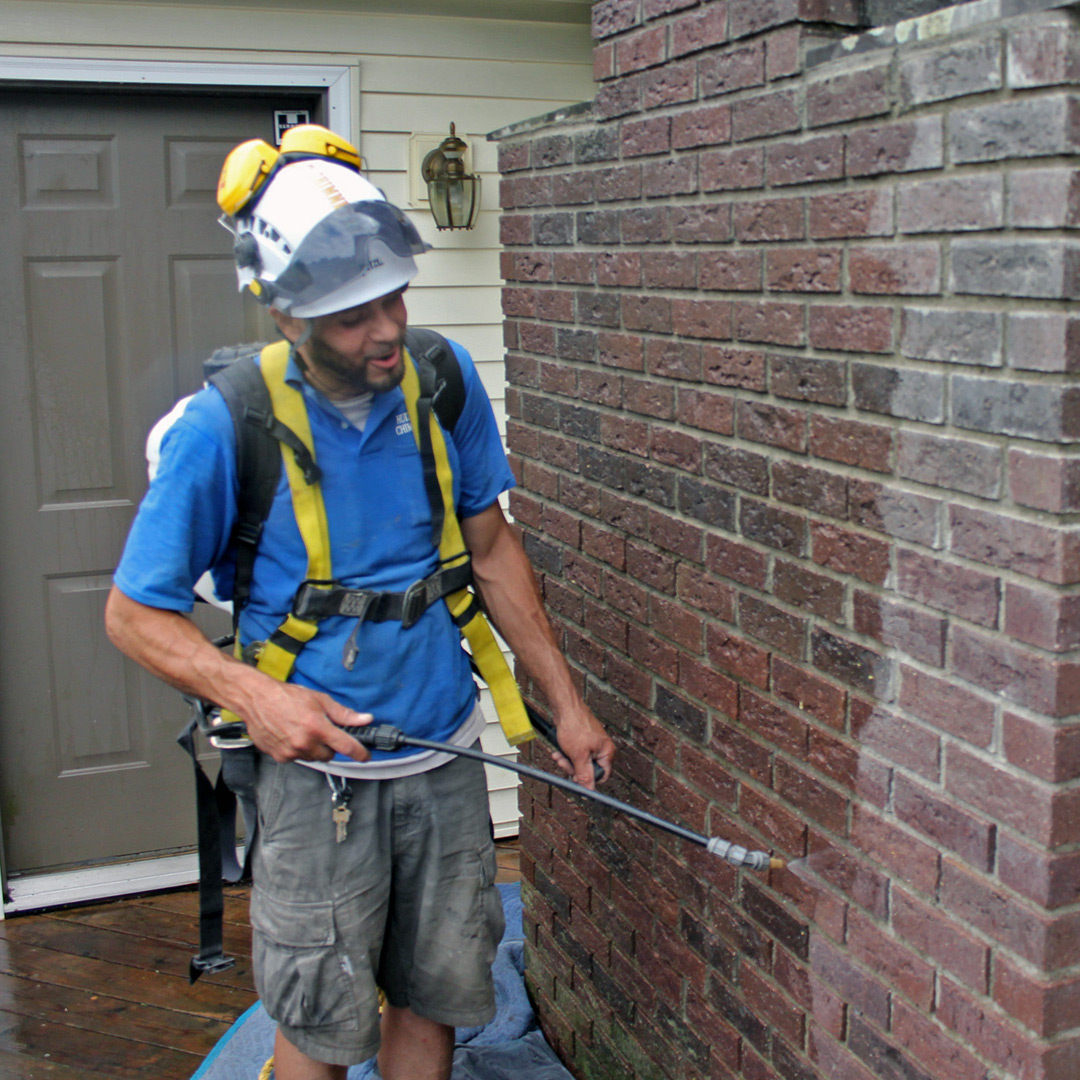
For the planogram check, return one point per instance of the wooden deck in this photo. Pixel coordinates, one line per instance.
(100, 992)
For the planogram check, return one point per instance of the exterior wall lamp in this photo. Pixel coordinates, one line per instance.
(453, 194)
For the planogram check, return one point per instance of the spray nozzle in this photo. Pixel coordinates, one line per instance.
(737, 855)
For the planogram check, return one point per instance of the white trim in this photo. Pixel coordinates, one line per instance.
(37, 891)
(335, 79)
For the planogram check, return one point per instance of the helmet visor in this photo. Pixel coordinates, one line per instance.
(343, 246)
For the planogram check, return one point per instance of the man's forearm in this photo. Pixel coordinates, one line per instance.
(288, 722)
(172, 647)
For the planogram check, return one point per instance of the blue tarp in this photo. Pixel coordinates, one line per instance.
(511, 1047)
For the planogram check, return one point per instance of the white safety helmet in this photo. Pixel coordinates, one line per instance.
(312, 236)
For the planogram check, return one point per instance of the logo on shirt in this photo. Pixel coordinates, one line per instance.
(402, 425)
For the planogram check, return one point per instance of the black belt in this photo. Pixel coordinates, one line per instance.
(314, 601)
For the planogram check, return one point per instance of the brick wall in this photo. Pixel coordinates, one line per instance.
(792, 354)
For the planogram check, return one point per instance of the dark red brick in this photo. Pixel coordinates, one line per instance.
(730, 271)
(772, 323)
(966, 834)
(671, 84)
(742, 368)
(805, 161)
(773, 625)
(849, 552)
(772, 425)
(851, 442)
(773, 113)
(808, 591)
(810, 487)
(699, 29)
(821, 699)
(740, 169)
(1046, 750)
(950, 708)
(851, 329)
(707, 409)
(738, 657)
(803, 270)
(851, 95)
(867, 212)
(769, 219)
(705, 126)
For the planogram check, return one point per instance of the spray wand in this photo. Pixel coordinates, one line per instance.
(389, 738)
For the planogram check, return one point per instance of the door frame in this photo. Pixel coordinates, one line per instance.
(336, 82)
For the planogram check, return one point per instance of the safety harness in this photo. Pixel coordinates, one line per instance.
(267, 414)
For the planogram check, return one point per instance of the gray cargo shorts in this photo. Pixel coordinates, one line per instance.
(406, 903)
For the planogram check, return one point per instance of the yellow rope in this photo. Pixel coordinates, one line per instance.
(267, 1070)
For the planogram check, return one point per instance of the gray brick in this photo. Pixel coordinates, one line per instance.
(1044, 199)
(896, 147)
(952, 335)
(1043, 55)
(597, 144)
(1044, 411)
(598, 227)
(955, 205)
(553, 229)
(1022, 128)
(1044, 341)
(946, 461)
(902, 392)
(849, 95)
(1048, 269)
(954, 70)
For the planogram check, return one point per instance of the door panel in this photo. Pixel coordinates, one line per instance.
(117, 282)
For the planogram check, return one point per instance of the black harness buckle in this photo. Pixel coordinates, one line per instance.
(416, 600)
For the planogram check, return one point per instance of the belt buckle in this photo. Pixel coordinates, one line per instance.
(300, 599)
(414, 603)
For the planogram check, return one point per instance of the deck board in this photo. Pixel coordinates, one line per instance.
(100, 991)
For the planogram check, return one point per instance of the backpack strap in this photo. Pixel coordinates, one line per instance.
(428, 347)
(258, 465)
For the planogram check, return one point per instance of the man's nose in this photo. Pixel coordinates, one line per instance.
(388, 323)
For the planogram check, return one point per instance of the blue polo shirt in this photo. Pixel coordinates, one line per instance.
(380, 537)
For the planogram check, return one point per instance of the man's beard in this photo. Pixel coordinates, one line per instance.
(353, 377)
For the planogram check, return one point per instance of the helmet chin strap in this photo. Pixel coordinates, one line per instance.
(303, 339)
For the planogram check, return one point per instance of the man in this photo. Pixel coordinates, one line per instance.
(400, 894)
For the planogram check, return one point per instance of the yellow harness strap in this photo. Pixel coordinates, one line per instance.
(278, 656)
(463, 604)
